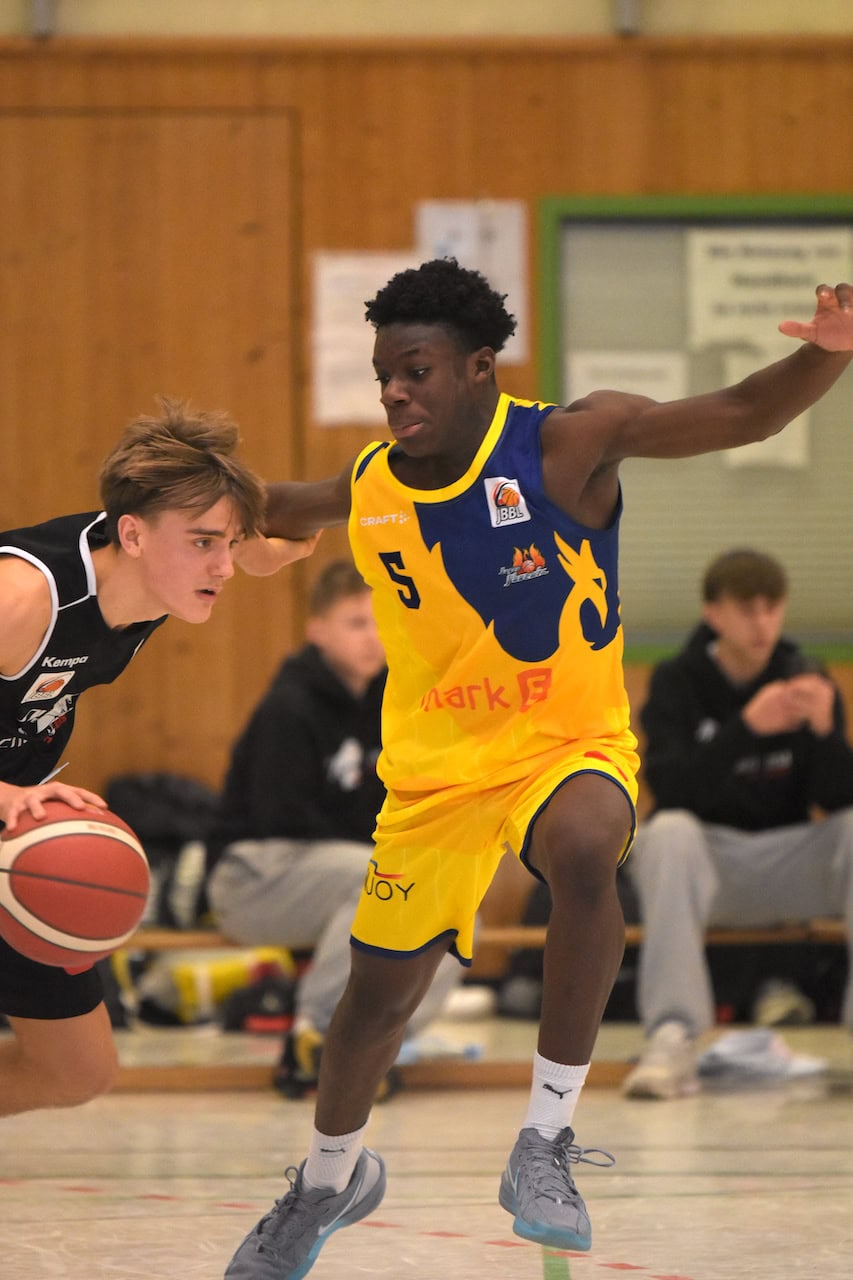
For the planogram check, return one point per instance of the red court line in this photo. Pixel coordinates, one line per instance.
(385, 1225)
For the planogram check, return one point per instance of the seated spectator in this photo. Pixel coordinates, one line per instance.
(289, 848)
(745, 739)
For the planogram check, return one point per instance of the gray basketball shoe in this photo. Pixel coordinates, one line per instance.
(285, 1243)
(538, 1189)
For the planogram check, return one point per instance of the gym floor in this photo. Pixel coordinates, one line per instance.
(154, 1186)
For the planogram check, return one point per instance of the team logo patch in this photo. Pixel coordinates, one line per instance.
(527, 563)
(45, 687)
(506, 501)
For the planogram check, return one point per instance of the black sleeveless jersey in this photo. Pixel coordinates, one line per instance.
(78, 650)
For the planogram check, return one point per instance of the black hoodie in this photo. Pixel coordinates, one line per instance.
(304, 767)
(701, 756)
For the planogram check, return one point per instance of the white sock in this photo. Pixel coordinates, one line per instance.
(554, 1095)
(331, 1160)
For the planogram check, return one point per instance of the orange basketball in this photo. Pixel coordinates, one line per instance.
(73, 887)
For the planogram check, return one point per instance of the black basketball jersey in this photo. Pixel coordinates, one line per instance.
(78, 649)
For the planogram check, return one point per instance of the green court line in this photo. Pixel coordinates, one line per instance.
(555, 1266)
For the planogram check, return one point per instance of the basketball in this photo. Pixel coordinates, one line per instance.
(73, 887)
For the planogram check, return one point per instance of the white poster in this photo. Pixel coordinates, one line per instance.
(743, 281)
(661, 375)
(344, 389)
(489, 236)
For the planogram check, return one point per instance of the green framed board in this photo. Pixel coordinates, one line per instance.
(677, 295)
(558, 215)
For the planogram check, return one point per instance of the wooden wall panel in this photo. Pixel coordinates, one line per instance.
(151, 252)
(376, 126)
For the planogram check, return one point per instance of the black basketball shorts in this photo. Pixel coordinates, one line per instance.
(32, 990)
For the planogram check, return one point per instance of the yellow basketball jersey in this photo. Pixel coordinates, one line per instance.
(499, 614)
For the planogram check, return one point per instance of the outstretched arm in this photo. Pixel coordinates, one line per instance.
(296, 515)
(299, 510)
(607, 426)
(583, 445)
(755, 408)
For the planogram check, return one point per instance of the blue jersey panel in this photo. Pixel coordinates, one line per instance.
(515, 557)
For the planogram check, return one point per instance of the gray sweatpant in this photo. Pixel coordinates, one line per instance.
(303, 894)
(690, 875)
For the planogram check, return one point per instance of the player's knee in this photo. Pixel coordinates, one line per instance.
(81, 1081)
(587, 873)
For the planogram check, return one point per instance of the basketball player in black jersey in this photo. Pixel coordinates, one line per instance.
(79, 595)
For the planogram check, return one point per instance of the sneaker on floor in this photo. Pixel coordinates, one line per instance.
(782, 1004)
(667, 1066)
(538, 1189)
(285, 1243)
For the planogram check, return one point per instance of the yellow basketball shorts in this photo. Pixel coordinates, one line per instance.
(436, 853)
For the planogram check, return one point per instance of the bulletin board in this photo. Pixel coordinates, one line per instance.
(673, 297)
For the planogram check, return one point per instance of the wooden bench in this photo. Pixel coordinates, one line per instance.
(440, 1073)
(519, 936)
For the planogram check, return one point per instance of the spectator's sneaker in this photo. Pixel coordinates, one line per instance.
(285, 1243)
(299, 1064)
(537, 1187)
(298, 1069)
(391, 1083)
(667, 1066)
(782, 1004)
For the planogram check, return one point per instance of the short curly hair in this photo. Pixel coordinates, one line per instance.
(441, 292)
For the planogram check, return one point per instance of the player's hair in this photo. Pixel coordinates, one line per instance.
(441, 292)
(744, 574)
(184, 459)
(340, 580)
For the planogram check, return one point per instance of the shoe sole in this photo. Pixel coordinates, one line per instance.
(650, 1093)
(540, 1232)
(657, 1092)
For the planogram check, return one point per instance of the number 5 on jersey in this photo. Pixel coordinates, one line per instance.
(408, 593)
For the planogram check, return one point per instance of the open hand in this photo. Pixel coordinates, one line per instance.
(832, 325)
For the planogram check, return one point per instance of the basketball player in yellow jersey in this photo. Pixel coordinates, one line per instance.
(487, 530)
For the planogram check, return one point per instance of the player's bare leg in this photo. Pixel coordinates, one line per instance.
(57, 1063)
(576, 845)
(366, 1032)
(363, 1040)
